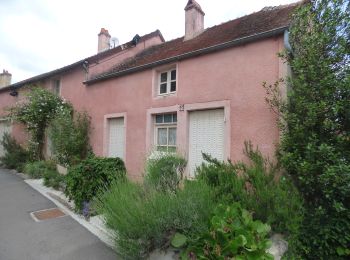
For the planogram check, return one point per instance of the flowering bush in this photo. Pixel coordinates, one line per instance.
(36, 111)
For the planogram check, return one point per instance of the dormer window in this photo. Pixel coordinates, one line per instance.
(167, 82)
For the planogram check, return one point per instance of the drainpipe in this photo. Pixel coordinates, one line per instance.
(286, 41)
(290, 51)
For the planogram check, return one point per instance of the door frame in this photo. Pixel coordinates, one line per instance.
(224, 104)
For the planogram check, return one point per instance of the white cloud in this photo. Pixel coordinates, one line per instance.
(38, 36)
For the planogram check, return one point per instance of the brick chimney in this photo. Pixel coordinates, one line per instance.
(103, 40)
(5, 79)
(194, 20)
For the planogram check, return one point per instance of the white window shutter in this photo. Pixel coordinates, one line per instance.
(206, 134)
(116, 140)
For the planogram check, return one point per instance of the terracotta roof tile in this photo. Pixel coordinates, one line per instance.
(265, 20)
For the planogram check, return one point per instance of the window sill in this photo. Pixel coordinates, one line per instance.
(166, 95)
(155, 154)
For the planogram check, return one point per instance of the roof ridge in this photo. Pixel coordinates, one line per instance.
(277, 7)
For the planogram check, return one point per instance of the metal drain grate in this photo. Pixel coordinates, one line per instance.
(46, 214)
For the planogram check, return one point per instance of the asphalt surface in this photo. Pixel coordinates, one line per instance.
(21, 238)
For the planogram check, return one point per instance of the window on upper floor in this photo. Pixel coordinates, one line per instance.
(165, 132)
(167, 82)
(56, 86)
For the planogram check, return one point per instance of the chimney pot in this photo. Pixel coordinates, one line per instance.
(103, 40)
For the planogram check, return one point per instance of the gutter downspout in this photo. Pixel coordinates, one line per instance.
(286, 41)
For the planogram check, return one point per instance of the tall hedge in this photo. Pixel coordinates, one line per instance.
(315, 147)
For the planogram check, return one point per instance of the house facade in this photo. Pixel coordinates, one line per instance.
(198, 93)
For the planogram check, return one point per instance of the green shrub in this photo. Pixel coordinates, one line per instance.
(37, 169)
(144, 218)
(233, 234)
(165, 171)
(315, 144)
(15, 156)
(70, 137)
(53, 179)
(257, 187)
(91, 176)
(47, 171)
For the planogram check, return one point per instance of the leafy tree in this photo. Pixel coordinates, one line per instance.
(36, 111)
(315, 147)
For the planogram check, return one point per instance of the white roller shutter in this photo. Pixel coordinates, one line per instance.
(116, 140)
(4, 128)
(206, 134)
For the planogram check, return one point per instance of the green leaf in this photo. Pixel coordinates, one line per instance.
(238, 242)
(179, 240)
(261, 228)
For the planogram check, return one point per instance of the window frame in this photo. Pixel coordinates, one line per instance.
(56, 86)
(167, 126)
(168, 81)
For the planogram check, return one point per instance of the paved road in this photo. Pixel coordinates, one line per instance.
(56, 239)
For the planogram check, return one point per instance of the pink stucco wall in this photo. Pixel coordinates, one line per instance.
(231, 79)
(234, 75)
(7, 101)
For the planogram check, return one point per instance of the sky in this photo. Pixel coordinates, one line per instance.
(37, 36)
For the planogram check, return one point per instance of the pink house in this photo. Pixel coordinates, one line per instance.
(198, 93)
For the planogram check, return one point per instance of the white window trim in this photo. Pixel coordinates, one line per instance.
(150, 125)
(168, 82)
(167, 125)
(156, 81)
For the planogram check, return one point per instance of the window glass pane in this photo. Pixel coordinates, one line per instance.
(173, 86)
(168, 118)
(159, 119)
(163, 77)
(173, 75)
(174, 118)
(172, 136)
(162, 89)
(162, 136)
(172, 149)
